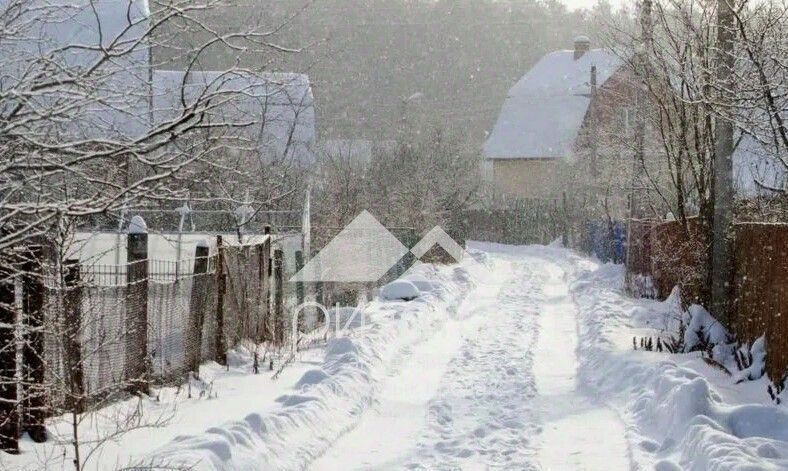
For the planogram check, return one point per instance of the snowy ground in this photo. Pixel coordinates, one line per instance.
(524, 361)
(681, 413)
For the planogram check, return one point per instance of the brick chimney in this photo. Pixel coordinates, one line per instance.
(582, 45)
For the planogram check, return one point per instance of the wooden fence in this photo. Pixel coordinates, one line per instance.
(101, 332)
(762, 290)
(524, 222)
(673, 256)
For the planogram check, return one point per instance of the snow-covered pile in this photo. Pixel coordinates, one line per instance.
(422, 282)
(328, 400)
(682, 413)
(402, 290)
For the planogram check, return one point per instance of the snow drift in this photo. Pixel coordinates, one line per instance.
(678, 418)
(329, 400)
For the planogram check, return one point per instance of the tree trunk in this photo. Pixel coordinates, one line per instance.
(221, 288)
(722, 256)
(9, 420)
(33, 350)
(72, 349)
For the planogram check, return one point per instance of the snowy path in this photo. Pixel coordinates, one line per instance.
(387, 435)
(576, 433)
(511, 363)
(491, 390)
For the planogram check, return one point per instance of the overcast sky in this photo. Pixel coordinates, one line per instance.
(573, 4)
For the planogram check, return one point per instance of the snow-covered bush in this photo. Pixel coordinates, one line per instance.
(696, 330)
(777, 389)
(703, 332)
(642, 286)
(751, 361)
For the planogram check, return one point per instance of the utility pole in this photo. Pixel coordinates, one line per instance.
(641, 63)
(722, 256)
(594, 128)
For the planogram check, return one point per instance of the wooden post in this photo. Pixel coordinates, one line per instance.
(221, 287)
(137, 308)
(300, 295)
(33, 348)
(565, 219)
(197, 309)
(72, 349)
(319, 296)
(594, 127)
(299, 260)
(319, 290)
(279, 312)
(9, 419)
(265, 288)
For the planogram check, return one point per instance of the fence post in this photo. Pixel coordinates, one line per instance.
(9, 420)
(264, 252)
(299, 264)
(279, 262)
(197, 308)
(33, 348)
(137, 307)
(565, 221)
(72, 350)
(221, 287)
(319, 297)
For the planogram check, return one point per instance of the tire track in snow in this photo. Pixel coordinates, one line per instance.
(578, 433)
(482, 416)
(388, 433)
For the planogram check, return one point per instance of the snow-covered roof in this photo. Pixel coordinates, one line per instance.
(68, 32)
(543, 112)
(276, 110)
(279, 107)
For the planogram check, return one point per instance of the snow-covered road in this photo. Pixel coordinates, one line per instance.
(515, 358)
(494, 388)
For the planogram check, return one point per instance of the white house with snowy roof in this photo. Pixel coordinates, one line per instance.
(129, 96)
(540, 120)
(543, 126)
(272, 112)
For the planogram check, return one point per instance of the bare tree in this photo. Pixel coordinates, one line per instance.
(86, 130)
(416, 184)
(714, 85)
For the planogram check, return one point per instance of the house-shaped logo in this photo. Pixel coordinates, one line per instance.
(364, 251)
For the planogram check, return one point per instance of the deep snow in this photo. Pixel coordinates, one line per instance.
(522, 361)
(681, 413)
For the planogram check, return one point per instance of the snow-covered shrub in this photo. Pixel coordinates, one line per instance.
(704, 332)
(696, 330)
(776, 389)
(751, 361)
(671, 321)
